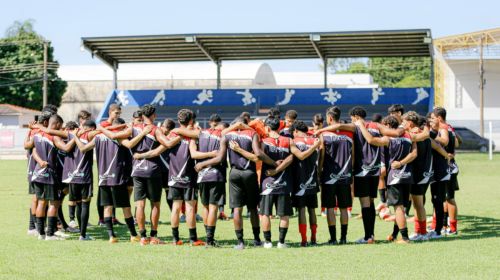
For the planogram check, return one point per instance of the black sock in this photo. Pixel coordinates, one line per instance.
(51, 225)
(283, 231)
(439, 218)
(71, 210)
(153, 233)
(109, 226)
(267, 236)
(404, 233)
(395, 231)
(60, 215)
(343, 232)
(210, 233)
(365, 212)
(333, 232)
(79, 212)
(239, 235)
(143, 234)
(175, 233)
(114, 213)
(256, 233)
(373, 215)
(193, 236)
(131, 226)
(383, 198)
(83, 221)
(32, 223)
(40, 224)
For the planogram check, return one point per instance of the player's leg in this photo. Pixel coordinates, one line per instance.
(40, 209)
(344, 199)
(382, 189)
(266, 210)
(215, 195)
(284, 209)
(417, 196)
(313, 223)
(32, 225)
(100, 209)
(361, 190)
(437, 192)
(191, 199)
(452, 204)
(140, 195)
(252, 198)
(154, 191)
(302, 224)
(174, 217)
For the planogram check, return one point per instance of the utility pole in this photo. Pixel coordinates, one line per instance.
(45, 74)
(481, 86)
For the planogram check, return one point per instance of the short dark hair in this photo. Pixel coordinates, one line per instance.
(84, 115)
(137, 114)
(118, 121)
(184, 116)
(334, 112)
(292, 114)
(215, 118)
(411, 116)
(90, 123)
(358, 111)
(50, 108)
(274, 112)
(71, 125)
(300, 126)
(225, 124)
(440, 112)
(377, 117)
(422, 121)
(239, 119)
(391, 121)
(113, 107)
(57, 118)
(148, 110)
(318, 119)
(272, 123)
(396, 108)
(169, 124)
(45, 116)
(245, 115)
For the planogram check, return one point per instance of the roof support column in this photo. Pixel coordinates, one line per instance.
(115, 75)
(218, 63)
(325, 72)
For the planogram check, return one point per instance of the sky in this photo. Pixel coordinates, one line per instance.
(65, 22)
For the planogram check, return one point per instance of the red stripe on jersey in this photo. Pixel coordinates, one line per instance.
(281, 141)
(105, 123)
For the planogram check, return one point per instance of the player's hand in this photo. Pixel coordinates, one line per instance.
(198, 167)
(396, 164)
(32, 125)
(147, 129)
(234, 145)
(316, 143)
(359, 122)
(278, 162)
(137, 156)
(44, 164)
(271, 172)
(74, 131)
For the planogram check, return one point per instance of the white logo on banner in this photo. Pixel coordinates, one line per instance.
(159, 98)
(421, 95)
(288, 96)
(122, 98)
(376, 92)
(247, 97)
(204, 95)
(331, 96)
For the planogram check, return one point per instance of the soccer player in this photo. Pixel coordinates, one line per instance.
(335, 165)
(305, 183)
(77, 172)
(244, 151)
(276, 183)
(402, 151)
(166, 127)
(290, 117)
(211, 177)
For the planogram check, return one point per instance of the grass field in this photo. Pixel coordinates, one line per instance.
(474, 253)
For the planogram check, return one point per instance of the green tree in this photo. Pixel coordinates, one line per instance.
(21, 68)
(388, 71)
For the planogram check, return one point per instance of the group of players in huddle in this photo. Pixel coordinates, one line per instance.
(274, 163)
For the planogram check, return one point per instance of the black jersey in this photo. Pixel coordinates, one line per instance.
(181, 172)
(46, 150)
(77, 167)
(423, 171)
(399, 148)
(367, 157)
(244, 138)
(337, 164)
(276, 149)
(149, 167)
(210, 141)
(112, 161)
(306, 171)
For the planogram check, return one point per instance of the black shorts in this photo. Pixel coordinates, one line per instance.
(48, 192)
(211, 192)
(309, 201)
(116, 196)
(398, 194)
(338, 195)
(366, 186)
(243, 189)
(184, 194)
(454, 183)
(31, 188)
(283, 203)
(449, 189)
(149, 188)
(222, 200)
(77, 192)
(418, 189)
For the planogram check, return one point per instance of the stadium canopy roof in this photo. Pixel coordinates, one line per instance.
(258, 46)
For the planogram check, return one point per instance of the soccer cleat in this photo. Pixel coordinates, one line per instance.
(156, 241)
(239, 246)
(303, 244)
(416, 237)
(72, 230)
(282, 245)
(60, 233)
(177, 243)
(450, 232)
(116, 222)
(135, 239)
(41, 237)
(391, 238)
(362, 240)
(101, 223)
(212, 244)
(313, 243)
(268, 245)
(113, 240)
(199, 218)
(73, 224)
(342, 241)
(323, 213)
(433, 235)
(257, 243)
(332, 242)
(403, 241)
(86, 238)
(32, 232)
(144, 241)
(53, 238)
(196, 243)
(182, 219)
